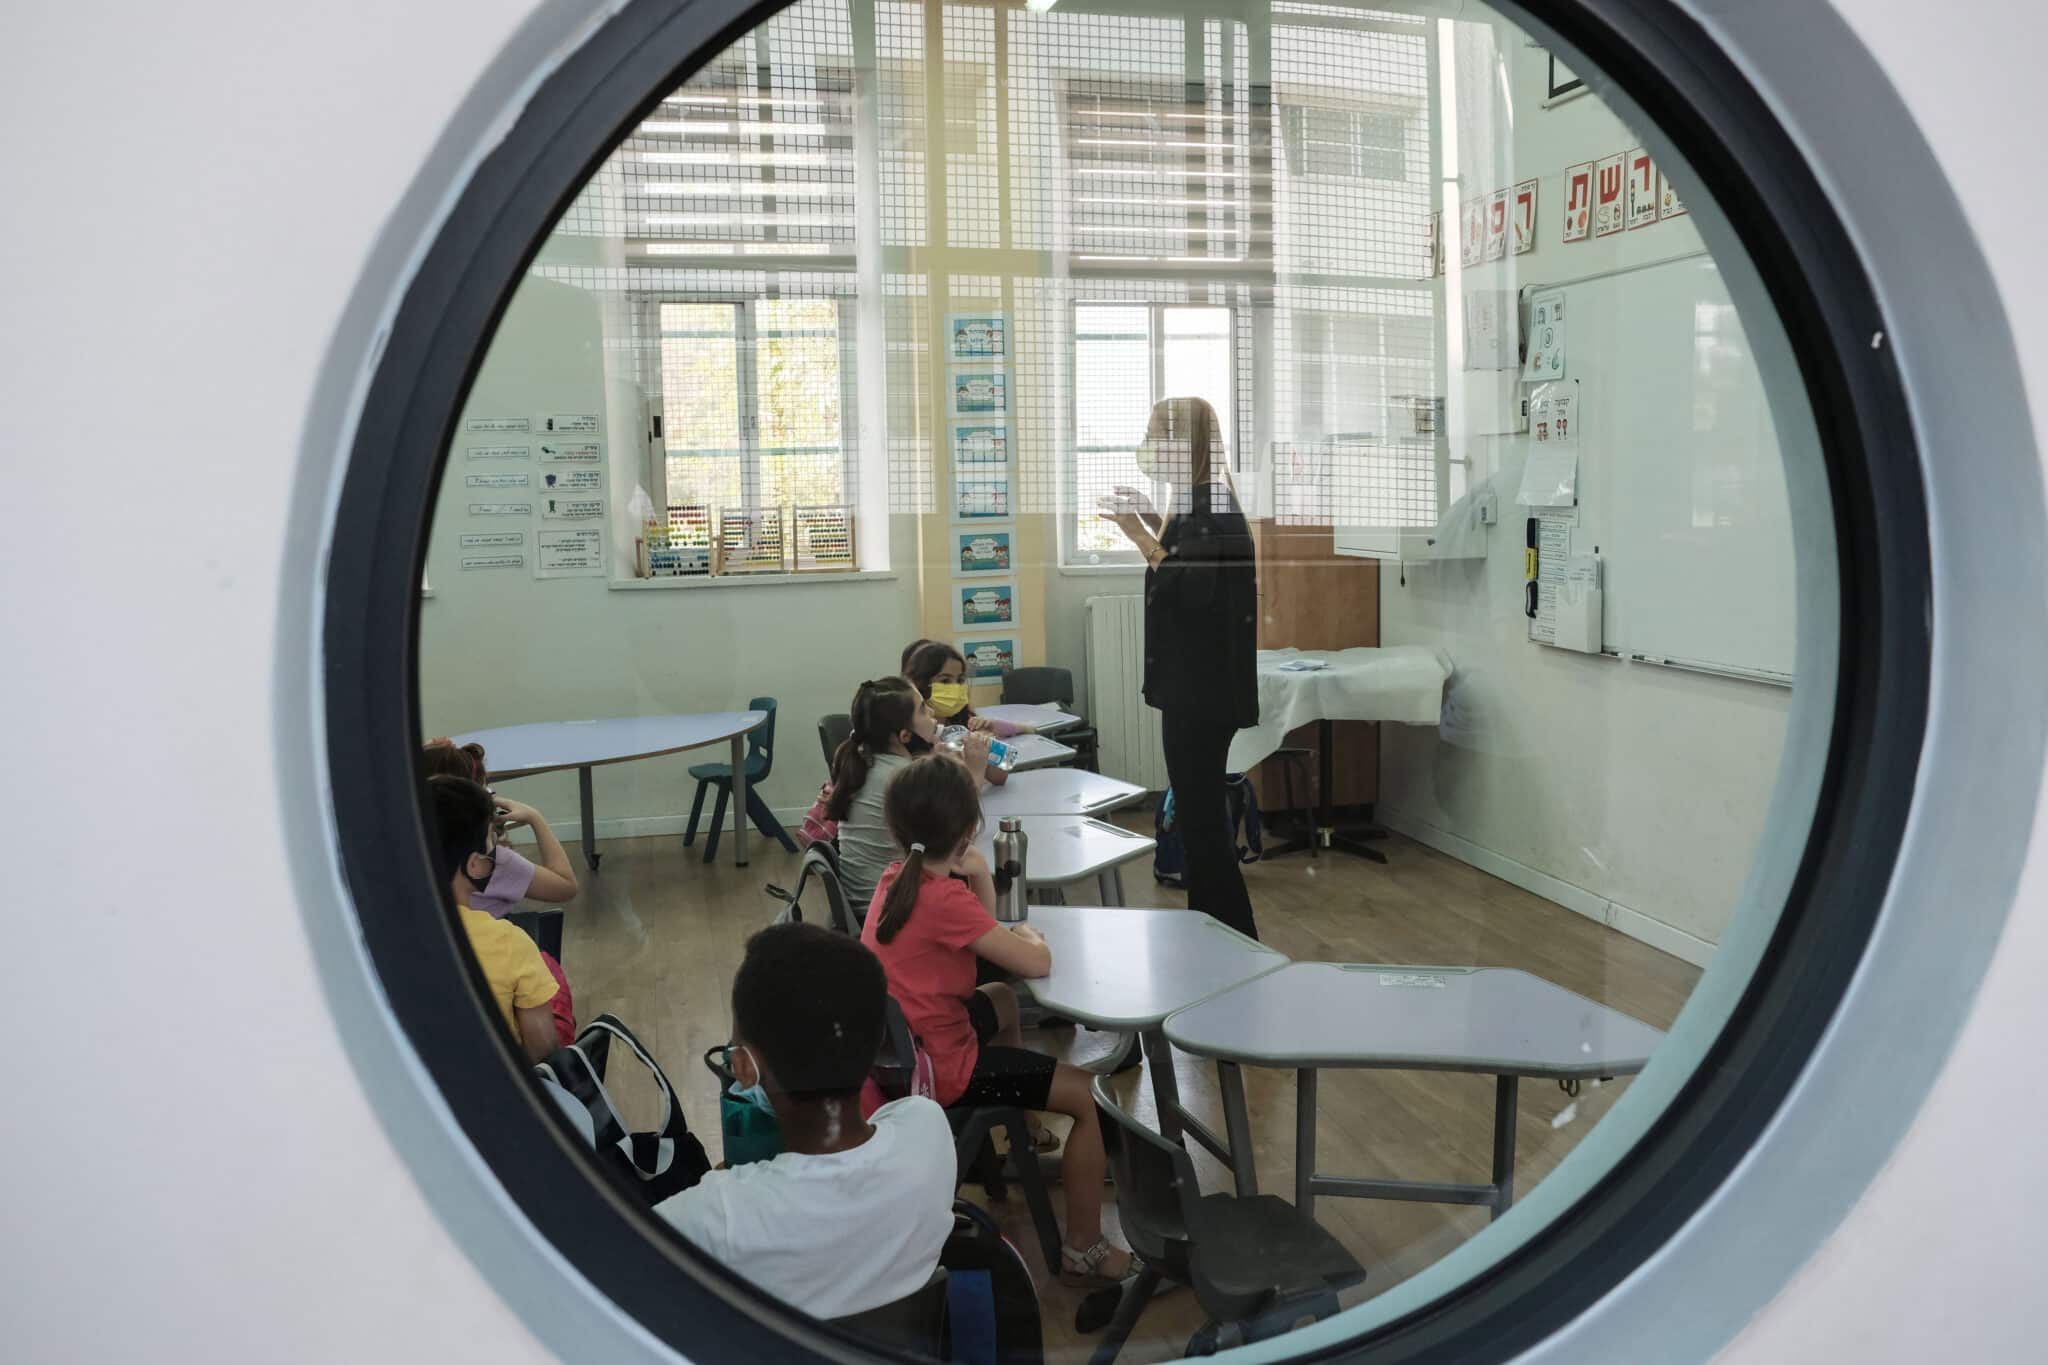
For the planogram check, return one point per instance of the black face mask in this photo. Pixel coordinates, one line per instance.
(485, 880)
(918, 745)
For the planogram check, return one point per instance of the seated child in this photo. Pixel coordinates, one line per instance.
(939, 672)
(891, 725)
(854, 1213)
(930, 929)
(516, 878)
(465, 852)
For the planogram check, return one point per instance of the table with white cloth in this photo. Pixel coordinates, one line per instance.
(1403, 683)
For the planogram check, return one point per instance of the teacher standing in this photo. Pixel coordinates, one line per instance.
(1201, 635)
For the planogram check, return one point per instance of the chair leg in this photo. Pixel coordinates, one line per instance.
(1280, 1319)
(1032, 1177)
(696, 809)
(717, 820)
(1136, 1295)
(764, 819)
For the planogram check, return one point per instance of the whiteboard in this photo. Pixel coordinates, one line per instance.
(1681, 480)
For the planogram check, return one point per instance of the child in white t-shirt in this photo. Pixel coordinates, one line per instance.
(854, 1212)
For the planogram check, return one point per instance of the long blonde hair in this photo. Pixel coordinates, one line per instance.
(1194, 421)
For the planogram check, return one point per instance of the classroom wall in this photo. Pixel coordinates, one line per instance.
(498, 647)
(1626, 791)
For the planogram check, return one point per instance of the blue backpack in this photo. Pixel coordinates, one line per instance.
(1241, 810)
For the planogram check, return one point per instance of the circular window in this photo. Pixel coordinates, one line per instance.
(1452, 454)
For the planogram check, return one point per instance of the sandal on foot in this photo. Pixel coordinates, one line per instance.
(1083, 1269)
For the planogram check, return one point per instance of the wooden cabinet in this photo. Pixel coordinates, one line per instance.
(1312, 598)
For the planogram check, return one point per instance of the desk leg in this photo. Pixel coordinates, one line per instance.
(1109, 885)
(1165, 1085)
(590, 854)
(1305, 1140)
(1504, 1109)
(739, 800)
(1237, 1128)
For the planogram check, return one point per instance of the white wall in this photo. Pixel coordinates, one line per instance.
(1626, 791)
(499, 647)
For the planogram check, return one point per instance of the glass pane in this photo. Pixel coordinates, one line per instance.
(1140, 207)
(796, 377)
(700, 386)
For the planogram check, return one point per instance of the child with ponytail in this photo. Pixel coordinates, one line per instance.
(931, 922)
(891, 725)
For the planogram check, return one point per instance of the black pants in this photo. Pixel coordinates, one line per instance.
(1196, 752)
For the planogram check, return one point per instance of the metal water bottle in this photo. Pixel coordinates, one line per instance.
(1011, 843)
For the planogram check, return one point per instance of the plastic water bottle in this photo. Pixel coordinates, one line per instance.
(953, 739)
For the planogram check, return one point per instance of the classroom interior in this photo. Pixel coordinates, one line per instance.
(839, 349)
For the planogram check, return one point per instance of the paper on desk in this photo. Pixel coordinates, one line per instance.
(1302, 666)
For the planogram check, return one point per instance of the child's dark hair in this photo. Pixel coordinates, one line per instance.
(925, 664)
(882, 709)
(444, 757)
(909, 652)
(933, 804)
(809, 1003)
(459, 814)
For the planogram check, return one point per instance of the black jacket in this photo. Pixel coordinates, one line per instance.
(1202, 617)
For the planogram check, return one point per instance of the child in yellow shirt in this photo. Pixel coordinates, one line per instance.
(465, 851)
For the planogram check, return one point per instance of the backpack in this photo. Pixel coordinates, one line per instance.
(816, 829)
(658, 1163)
(1241, 810)
(991, 1303)
(902, 1068)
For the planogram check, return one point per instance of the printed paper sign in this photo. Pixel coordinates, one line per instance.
(574, 452)
(976, 336)
(1472, 232)
(572, 509)
(993, 605)
(1496, 225)
(1668, 205)
(573, 480)
(1554, 415)
(978, 495)
(1578, 202)
(569, 554)
(495, 540)
(495, 480)
(501, 509)
(988, 660)
(571, 421)
(1545, 360)
(980, 393)
(498, 424)
(1642, 189)
(494, 561)
(974, 444)
(501, 452)
(983, 551)
(1610, 179)
(1525, 217)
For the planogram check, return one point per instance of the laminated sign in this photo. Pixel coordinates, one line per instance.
(1610, 179)
(1525, 217)
(1642, 189)
(1578, 202)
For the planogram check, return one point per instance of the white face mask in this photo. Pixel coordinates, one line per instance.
(1148, 459)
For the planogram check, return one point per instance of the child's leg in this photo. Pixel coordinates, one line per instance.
(1009, 1032)
(1082, 1163)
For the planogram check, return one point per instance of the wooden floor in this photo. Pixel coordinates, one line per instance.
(656, 936)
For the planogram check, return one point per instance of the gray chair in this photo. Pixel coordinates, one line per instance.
(1257, 1265)
(760, 762)
(544, 927)
(915, 1323)
(833, 732)
(1052, 687)
(975, 1159)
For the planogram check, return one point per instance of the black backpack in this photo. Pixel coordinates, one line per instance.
(656, 1164)
(991, 1304)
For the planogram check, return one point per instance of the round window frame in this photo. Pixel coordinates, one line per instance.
(450, 1064)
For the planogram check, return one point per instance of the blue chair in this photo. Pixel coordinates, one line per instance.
(760, 762)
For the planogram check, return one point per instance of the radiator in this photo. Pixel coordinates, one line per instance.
(1127, 729)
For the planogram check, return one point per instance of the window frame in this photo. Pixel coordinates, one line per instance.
(1075, 516)
(746, 375)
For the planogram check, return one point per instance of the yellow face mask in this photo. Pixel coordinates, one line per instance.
(948, 699)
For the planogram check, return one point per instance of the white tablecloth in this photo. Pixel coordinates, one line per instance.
(1402, 683)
